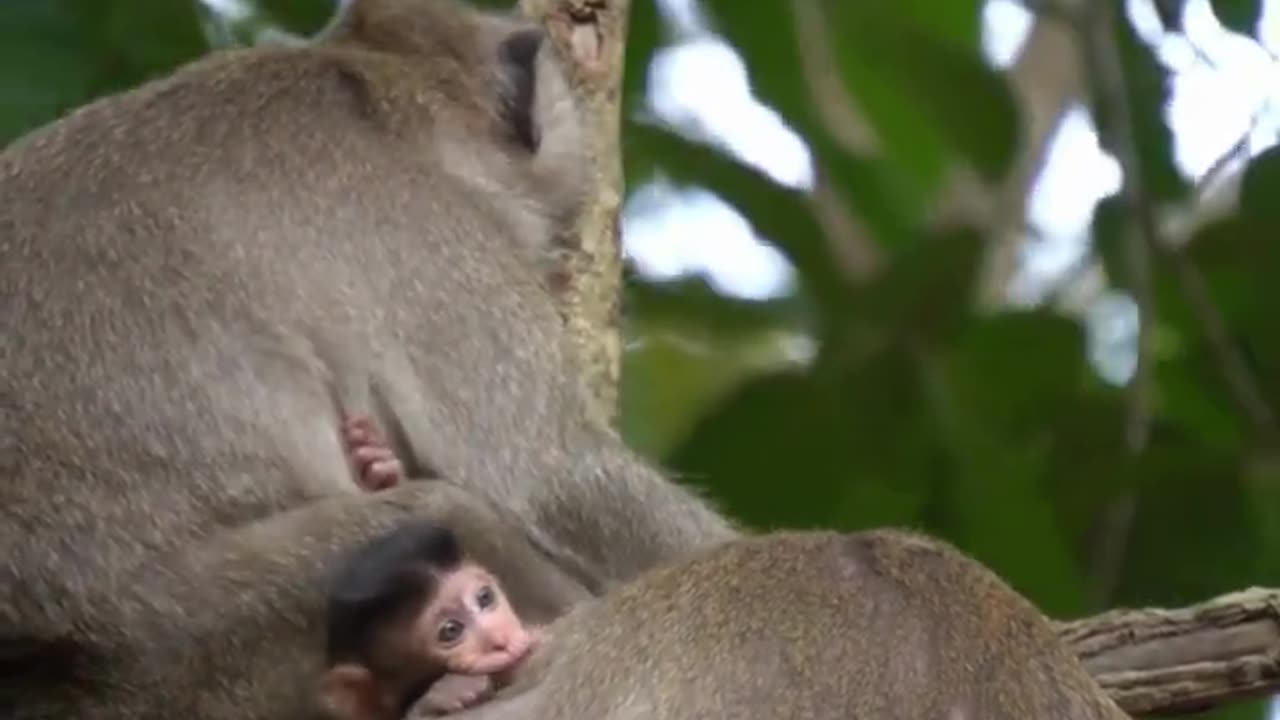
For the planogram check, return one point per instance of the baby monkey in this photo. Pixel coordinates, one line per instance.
(414, 627)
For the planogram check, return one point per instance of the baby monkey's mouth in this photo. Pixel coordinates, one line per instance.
(520, 654)
(502, 661)
(518, 657)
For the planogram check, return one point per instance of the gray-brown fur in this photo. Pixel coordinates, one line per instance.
(193, 272)
(201, 276)
(876, 625)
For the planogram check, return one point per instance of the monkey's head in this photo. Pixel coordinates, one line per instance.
(406, 609)
(495, 89)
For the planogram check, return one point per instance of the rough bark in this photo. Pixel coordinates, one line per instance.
(1170, 662)
(591, 35)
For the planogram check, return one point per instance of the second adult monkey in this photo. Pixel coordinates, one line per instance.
(193, 271)
(874, 625)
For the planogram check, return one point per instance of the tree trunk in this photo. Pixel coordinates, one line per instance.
(591, 34)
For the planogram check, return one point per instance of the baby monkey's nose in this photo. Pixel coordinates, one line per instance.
(515, 641)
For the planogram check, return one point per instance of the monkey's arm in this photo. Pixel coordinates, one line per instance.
(637, 519)
(246, 606)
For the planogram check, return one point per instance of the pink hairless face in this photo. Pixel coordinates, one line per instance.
(471, 627)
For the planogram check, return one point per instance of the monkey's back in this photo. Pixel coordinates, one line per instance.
(732, 634)
(179, 288)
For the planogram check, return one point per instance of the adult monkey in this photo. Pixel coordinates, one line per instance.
(193, 271)
(874, 625)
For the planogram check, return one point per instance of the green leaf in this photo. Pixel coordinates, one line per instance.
(1260, 188)
(1193, 398)
(992, 396)
(910, 137)
(1236, 258)
(898, 463)
(644, 39)
(997, 493)
(46, 65)
(1089, 465)
(1111, 225)
(884, 199)
(957, 22)
(1261, 482)
(1024, 367)
(843, 446)
(1195, 532)
(926, 292)
(1241, 16)
(151, 37)
(924, 79)
(675, 367)
(774, 454)
(304, 17)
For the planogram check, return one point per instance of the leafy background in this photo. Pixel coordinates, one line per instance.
(886, 386)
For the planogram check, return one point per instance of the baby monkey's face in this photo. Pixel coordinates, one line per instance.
(470, 626)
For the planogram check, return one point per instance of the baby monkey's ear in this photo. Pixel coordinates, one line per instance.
(349, 692)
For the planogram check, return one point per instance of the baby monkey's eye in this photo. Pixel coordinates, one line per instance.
(450, 631)
(486, 597)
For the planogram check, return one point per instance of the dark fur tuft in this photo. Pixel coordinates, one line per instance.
(384, 577)
(518, 55)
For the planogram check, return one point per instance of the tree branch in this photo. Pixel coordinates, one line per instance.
(1187, 660)
(1104, 72)
(1105, 79)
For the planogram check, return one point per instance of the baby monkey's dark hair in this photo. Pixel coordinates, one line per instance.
(380, 580)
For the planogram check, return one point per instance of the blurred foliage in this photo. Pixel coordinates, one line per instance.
(889, 398)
